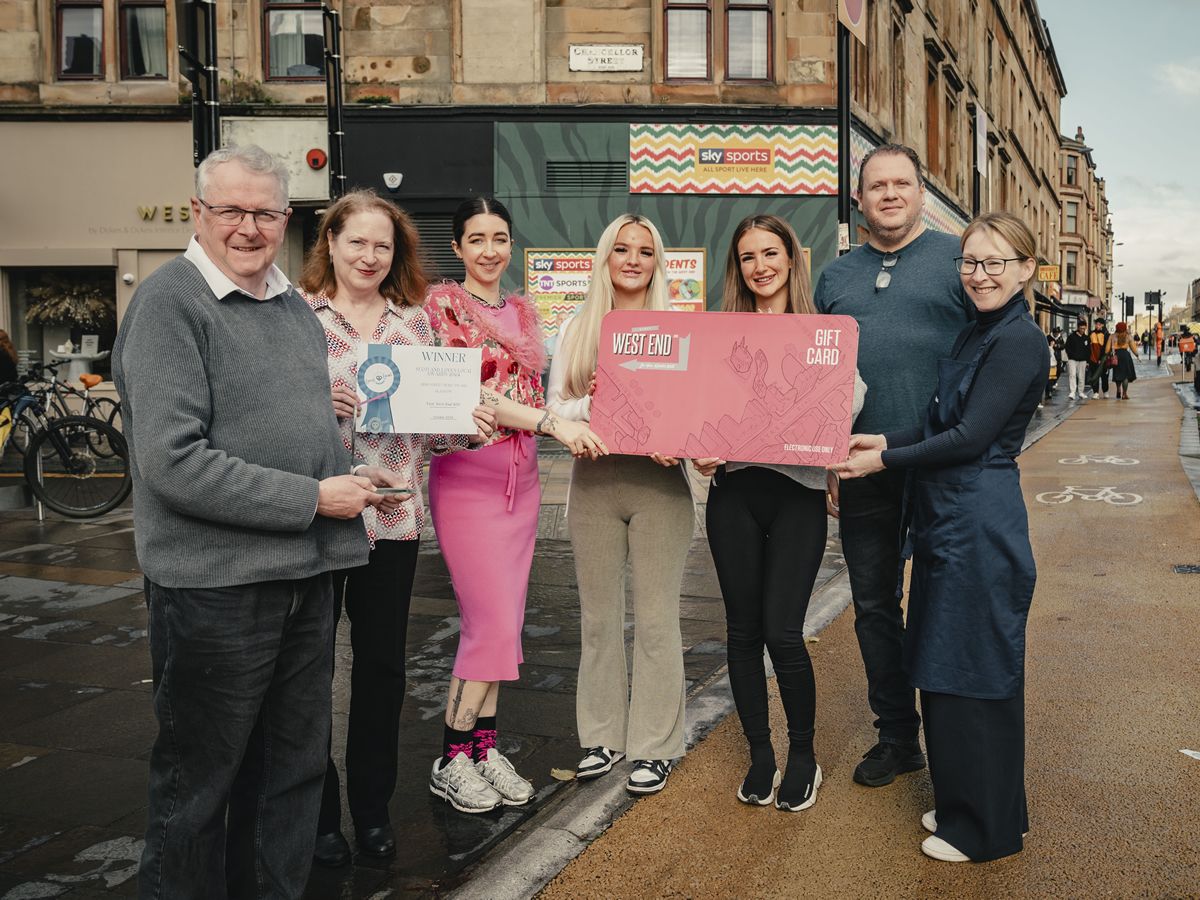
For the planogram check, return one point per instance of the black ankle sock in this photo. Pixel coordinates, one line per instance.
(761, 777)
(801, 770)
(455, 742)
(484, 735)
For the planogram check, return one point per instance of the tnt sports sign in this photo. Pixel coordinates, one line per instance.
(557, 281)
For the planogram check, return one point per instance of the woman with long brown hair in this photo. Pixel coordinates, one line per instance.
(766, 529)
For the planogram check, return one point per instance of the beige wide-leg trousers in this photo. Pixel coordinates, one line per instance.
(630, 509)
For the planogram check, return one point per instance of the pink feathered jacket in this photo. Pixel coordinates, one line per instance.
(512, 362)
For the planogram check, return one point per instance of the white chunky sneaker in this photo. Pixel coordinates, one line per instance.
(596, 762)
(935, 848)
(929, 821)
(462, 786)
(649, 776)
(497, 771)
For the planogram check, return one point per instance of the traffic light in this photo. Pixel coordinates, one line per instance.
(1127, 299)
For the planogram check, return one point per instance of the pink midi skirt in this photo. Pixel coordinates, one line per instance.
(485, 507)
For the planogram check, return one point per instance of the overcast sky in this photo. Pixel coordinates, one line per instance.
(1133, 83)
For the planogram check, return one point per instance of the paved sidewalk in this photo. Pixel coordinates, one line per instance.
(76, 723)
(1110, 705)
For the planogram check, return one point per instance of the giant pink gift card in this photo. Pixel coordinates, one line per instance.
(738, 386)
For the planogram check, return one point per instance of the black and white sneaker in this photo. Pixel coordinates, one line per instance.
(649, 776)
(596, 762)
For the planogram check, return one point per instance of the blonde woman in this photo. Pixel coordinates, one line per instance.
(624, 509)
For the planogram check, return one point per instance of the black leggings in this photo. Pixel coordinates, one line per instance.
(767, 535)
(377, 598)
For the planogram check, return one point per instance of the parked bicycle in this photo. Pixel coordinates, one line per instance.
(76, 465)
(61, 398)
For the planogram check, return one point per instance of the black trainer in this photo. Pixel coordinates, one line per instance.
(883, 762)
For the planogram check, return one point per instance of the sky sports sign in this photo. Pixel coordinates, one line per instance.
(741, 157)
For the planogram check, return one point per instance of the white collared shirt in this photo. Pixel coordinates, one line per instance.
(222, 285)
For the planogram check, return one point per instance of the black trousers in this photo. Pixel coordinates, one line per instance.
(767, 536)
(241, 694)
(377, 598)
(870, 526)
(976, 754)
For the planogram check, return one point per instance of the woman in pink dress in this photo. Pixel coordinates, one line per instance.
(485, 504)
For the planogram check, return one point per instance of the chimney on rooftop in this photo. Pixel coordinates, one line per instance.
(1079, 133)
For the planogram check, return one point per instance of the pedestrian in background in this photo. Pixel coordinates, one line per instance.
(364, 279)
(1077, 349)
(1057, 344)
(1098, 359)
(973, 571)
(1120, 351)
(243, 504)
(8, 358)
(767, 528)
(1187, 347)
(903, 290)
(485, 504)
(624, 510)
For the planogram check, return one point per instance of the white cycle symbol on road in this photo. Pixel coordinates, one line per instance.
(1107, 494)
(1110, 460)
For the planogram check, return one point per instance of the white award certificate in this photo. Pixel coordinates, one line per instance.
(417, 390)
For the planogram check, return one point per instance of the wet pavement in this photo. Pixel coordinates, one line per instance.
(76, 724)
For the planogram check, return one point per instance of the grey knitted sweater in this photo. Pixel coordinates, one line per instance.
(226, 409)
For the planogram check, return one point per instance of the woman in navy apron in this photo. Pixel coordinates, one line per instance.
(968, 536)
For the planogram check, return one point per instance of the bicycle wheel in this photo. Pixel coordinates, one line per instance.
(1054, 497)
(65, 471)
(109, 411)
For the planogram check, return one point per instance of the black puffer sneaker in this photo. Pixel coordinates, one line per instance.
(883, 762)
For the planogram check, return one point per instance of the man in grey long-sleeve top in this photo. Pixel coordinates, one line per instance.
(905, 293)
(242, 505)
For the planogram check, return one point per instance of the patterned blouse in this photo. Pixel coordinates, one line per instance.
(401, 453)
(512, 362)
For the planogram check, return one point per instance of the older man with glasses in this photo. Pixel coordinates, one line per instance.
(903, 289)
(243, 504)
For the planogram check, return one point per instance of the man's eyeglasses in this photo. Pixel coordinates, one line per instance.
(992, 266)
(234, 215)
(884, 278)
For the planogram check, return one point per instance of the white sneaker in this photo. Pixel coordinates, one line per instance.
(497, 771)
(462, 786)
(935, 848)
(596, 762)
(929, 821)
(649, 776)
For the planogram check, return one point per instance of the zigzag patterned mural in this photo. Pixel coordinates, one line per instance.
(732, 159)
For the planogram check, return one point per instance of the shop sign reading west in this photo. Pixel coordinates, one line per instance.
(169, 212)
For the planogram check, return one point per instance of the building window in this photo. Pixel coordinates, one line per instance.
(80, 39)
(933, 148)
(294, 35)
(1072, 218)
(898, 86)
(1072, 266)
(748, 40)
(143, 39)
(748, 27)
(687, 40)
(950, 133)
(1072, 164)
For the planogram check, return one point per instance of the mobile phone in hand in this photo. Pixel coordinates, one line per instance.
(400, 491)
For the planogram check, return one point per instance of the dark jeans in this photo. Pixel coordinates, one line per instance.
(377, 598)
(1097, 377)
(242, 697)
(767, 535)
(870, 527)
